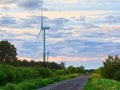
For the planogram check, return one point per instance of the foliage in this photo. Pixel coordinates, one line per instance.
(37, 83)
(7, 52)
(43, 72)
(10, 86)
(12, 74)
(102, 84)
(96, 75)
(61, 72)
(111, 68)
(72, 69)
(117, 75)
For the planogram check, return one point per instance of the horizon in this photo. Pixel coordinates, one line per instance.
(82, 32)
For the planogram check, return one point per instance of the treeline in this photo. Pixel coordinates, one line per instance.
(32, 63)
(8, 55)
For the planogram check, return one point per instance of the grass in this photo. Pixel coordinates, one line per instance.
(98, 83)
(37, 83)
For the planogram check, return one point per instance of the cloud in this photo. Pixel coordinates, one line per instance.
(74, 40)
(65, 58)
(6, 1)
(7, 21)
(112, 19)
(29, 4)
(79, 33)
(24, 58)
(78, 5)
(88, 63)
(69, 1)
(10, 4)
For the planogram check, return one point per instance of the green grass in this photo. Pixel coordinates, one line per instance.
(102, 84)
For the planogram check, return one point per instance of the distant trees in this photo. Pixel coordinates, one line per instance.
(7, 52)
(72, 69)
(33, 63)
(111, 68)
(62, 65)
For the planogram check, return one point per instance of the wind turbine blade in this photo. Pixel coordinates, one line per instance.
(39, 34)
(41, 22)
(41, 17)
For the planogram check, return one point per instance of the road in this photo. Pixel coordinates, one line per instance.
(73, 84)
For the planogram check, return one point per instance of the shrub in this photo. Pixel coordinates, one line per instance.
(96, 75)
(2, 78)
(44, 72)
(36, 83)
(61, 72)
(117, 76)
(10, 74)
(10, 86)
(111, 68)
(48, 80)
(9, 71)
(27, 85)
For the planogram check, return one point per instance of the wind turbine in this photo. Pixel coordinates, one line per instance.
(43, 28)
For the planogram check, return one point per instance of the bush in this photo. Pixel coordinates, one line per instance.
(57, 78)
(9, 71)
(10, 74)
(117, 76)
(2, 78)
(37, 83)
(72, 69)
(43, 72)
(61, 72)
(10, 86)
(111, 68)
(95, 75)
(27, 85)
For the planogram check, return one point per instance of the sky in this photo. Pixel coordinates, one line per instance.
(82, 32)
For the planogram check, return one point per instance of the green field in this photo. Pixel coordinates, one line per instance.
(102, 84)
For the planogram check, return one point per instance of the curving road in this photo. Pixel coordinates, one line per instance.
(73, 84)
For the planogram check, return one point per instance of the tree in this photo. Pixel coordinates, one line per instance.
(111, 68)
(62, 65)
(7, 52)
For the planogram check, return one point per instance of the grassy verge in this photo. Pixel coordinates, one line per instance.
(97, 83)
(37, 83)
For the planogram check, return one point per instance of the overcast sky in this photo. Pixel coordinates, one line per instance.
(82, 32)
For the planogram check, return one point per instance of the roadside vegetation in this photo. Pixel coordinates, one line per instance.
(27, 78)
(18, 74)
(106, 77)
(95, 83)
(33, 84)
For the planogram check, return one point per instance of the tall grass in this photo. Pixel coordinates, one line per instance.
(37, 83)
(98, 83)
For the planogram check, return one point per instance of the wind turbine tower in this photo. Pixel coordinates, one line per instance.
(43, 28)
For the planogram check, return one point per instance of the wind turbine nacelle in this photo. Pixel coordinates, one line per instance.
(45, 28)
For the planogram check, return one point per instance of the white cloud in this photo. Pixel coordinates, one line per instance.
(62, 14)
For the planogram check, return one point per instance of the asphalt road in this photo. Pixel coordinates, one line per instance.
(73, 84)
